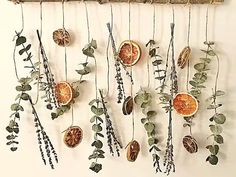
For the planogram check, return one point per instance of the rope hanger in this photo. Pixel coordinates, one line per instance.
(136, 1)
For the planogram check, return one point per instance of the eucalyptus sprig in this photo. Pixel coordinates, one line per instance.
(200, 77)
(144, 100)
(218, 119)
(112, 140)
(157, 61)
(97, 121)
(23, 89)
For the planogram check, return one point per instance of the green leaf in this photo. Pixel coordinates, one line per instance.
(16, 107)
(212, 159)
(138, 99)
(92, 120)
(207, 60)
(25, 96)
(94, 44)
(151, 114)
(219, 139)
(143, 120)
(216, 129)
(95, 167)
(13, 149)
(193, 83)
(149, 127)
(19, 88)
(54, 115)
(209, 52)
(99, 134)
(219, 93)
(20, 40)
(93, 101)
(93, 156)
(9, 129)
(200, 67)
(97, 111)
(98, 144)
(157, 62)
(84, 71)
(214, 149)
(97, 128)
(151, 141)
(88, 51)
(154, 148)
(219, 118)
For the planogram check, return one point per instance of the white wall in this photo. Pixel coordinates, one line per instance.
(27, 161)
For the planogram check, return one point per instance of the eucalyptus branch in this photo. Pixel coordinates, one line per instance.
(199, 79)
(97, 122)
(218, 118)
(144, 100)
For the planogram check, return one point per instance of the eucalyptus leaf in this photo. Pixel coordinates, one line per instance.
(219, 118)
(219, 139)
(212, 159)
(200, 66)
(216, 129)
(219, 93)
(151, 114)
(149, 127)
(97, 128)
(20, 40)
(151, 141)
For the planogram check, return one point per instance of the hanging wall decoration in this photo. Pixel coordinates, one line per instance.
(144, 99)
(218, 118)
(167, 99)
(184, 103)
(46, 148)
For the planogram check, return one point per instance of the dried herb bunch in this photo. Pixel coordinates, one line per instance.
(218, 118)
(48, 86)
(23, 89)
(118, 65)
(144, 100)
(112, 140)
(200, 78)
(167, 102)
(97, 121)
(157, 61)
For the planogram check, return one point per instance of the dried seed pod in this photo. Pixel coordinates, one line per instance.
(61, 37)
(184, 57)
(133, 149)
(190, 144)
(73, 136)
(128, 105)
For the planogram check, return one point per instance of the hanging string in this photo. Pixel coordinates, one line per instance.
(131, 72)
(18, 33)
(39, 56)
(188, 44)
(107, 53)
(64, 30)
(207, 24)
(87, 20)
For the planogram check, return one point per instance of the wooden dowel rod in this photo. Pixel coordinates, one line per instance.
(139, 1)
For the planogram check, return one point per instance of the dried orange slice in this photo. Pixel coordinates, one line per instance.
(73, 136)
(61, 37)
(64, 93)
(129, 53)
(185, 104)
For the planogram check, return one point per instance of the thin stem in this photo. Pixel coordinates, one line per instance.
(65, 51)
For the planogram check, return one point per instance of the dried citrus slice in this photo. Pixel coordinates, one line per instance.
(129, 53)
(64, 93)
(184, 57)
(127, 107)
(185, 104)
(61, 37)
(73, 136)
(133, 149)
(190, 144)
